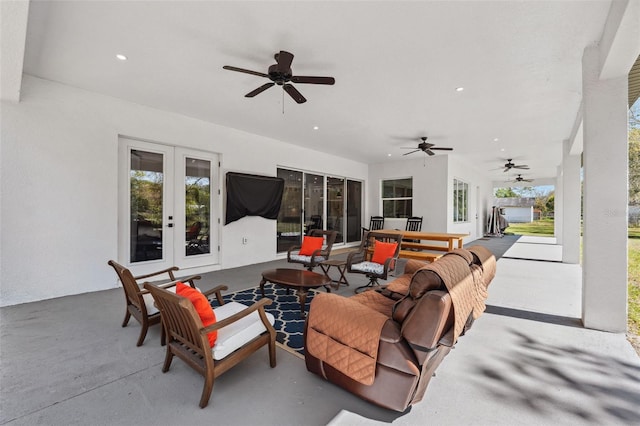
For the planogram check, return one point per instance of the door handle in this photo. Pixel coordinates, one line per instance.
(169, 225)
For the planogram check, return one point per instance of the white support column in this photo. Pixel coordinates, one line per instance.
(604, 278)
(558, 205)
(571, 205)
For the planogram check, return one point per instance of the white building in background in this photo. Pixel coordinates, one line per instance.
(516, 209)
(518, 214)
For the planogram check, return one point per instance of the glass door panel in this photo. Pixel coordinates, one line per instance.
(196, 225)
(354, 211)
(289, 226)
(197, 201)
(146, 189)
(335, 207)
(313, 202)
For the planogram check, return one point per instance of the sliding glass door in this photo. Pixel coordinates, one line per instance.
(289, 225)
(304, 207)
(313, 202)
(354, 211)
(335, 207)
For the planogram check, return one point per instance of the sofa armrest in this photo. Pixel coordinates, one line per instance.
(429, 320)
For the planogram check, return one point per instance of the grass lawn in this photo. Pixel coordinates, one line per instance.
(634, 286)
(543, 227)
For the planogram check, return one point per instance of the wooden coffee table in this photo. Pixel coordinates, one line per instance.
(300, 280)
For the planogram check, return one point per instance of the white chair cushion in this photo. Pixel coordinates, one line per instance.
(368, 267)
(240, 332)
(305, 259)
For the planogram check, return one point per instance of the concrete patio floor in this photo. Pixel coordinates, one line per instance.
(527, 360)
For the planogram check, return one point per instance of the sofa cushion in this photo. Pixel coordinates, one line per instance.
(375, 301)
(345, 334)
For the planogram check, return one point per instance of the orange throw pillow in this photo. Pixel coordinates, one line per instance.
(200, 302)
(382, 251)
(310, 244)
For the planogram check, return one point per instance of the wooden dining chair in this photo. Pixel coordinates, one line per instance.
(414, 223)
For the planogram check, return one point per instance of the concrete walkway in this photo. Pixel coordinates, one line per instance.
(526, 361)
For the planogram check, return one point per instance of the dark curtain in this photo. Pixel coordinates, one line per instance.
(253, 195)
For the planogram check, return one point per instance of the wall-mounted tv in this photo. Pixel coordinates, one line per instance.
(253, 195)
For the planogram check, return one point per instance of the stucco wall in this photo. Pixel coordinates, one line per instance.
(59, 185)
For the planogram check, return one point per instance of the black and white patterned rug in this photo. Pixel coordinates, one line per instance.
(284, 307)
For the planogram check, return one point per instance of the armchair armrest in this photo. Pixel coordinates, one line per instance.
(292, 249)
(355, 257)
(258, 306)
(164, 271)
(218, 292)
(189, 280)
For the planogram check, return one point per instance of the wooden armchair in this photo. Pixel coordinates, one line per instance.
(241, 329)
(139, 301)
(310, 261)
(375, 264)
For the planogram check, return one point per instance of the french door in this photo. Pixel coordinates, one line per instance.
(168, 206)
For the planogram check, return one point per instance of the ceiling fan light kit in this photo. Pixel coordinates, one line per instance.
(280, 74)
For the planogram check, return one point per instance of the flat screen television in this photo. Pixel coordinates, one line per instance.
(253, 195)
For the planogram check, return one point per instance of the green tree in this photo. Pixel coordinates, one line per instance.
(505, 193)
(634, 166)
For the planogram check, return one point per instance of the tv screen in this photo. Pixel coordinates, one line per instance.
(253, 195)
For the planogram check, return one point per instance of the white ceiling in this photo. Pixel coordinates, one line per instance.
(396, 65)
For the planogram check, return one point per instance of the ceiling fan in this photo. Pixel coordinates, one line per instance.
(426, 147)
(280, 74)
(519, 178)
(510, 165)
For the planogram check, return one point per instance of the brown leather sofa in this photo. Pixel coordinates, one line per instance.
(385, 345)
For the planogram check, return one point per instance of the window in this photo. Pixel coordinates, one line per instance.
(397, 198)
(460, 201)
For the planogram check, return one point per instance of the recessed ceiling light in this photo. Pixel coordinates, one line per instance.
(315, 127)
(388, 155)
(501, 149)
(121, 57)
(459, 89)
(496, 139)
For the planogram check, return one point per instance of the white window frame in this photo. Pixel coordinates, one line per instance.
(382, 199)
(460, 212)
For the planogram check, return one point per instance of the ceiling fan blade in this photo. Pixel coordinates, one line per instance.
(259, 74)
(293, 92)
(258, 90)
(442, 149)
(313, 80)
(428, 151)
(407, 153)
(521, 167)
(284, 61)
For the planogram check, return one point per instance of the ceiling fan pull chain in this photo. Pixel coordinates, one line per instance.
(282, 99)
